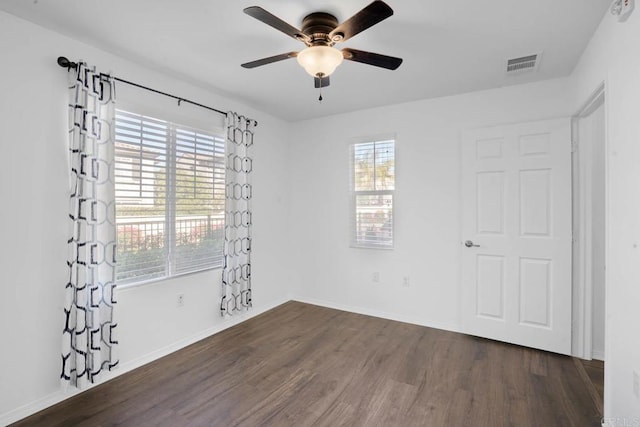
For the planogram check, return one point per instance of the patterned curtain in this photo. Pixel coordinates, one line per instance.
(236, 274)
(89, 336)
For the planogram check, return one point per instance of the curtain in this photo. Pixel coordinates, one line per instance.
(89, 336)
(236, 273)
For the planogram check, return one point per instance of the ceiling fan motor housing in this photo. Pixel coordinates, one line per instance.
(318, 25)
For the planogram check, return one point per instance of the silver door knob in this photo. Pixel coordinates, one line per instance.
(470, 244)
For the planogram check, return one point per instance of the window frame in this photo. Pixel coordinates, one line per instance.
(172, 153)
(354, 194)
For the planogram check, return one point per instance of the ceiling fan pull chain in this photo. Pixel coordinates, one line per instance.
(320, 97)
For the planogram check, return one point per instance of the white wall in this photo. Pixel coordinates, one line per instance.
(427, 205)
(613, 56)
(34, 194)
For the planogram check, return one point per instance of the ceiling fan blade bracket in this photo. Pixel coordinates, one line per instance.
(336, 37)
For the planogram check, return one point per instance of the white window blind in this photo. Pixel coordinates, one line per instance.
(169, 198)
(372, 185)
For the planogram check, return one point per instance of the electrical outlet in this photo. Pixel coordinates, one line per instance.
(375, 277)
(636, 384)
(405, 281)
(180, 300)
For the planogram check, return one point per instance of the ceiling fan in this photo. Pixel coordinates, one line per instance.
(320, 32)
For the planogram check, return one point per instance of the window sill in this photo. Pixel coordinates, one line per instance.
(131, 285)
(375, 247)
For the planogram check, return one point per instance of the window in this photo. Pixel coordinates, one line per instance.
(373, 184)
(169, 184)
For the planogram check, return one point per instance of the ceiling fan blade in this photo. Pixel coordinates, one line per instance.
(366, 18)
(376, 59)
(262, 15)
(319, 82)
(269, 60)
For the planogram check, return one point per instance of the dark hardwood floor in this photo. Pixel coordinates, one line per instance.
(592, 372)
(595, 370)
(303, 365)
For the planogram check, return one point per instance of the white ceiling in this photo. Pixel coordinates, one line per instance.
(448, 47)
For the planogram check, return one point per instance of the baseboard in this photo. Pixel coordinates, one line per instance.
(377, 313)
(598, 355)
(63, 394)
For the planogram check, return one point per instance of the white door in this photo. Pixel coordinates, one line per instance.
(516, 234)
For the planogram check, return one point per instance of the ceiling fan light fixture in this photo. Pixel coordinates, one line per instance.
(320, 60)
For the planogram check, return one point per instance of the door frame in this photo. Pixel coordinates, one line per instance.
(582, 285)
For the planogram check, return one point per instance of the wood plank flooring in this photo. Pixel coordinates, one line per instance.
(304, 365)
(592, 372)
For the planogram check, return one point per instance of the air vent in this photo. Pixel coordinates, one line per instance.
(524, 63)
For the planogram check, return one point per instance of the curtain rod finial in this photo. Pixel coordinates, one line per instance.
(65, 63)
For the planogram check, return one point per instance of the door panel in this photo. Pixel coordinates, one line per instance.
(490, 202)
(535, 203)
(535, 145)
(489, 148)
(516, 190)
(535, 292)
(490, 287)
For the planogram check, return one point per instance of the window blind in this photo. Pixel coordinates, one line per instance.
(372, 188)
(169, 181)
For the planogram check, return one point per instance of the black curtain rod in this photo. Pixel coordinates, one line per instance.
(65, 63)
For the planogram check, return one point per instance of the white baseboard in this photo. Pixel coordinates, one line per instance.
(63, 394)
(377, 313)
(598, 355)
